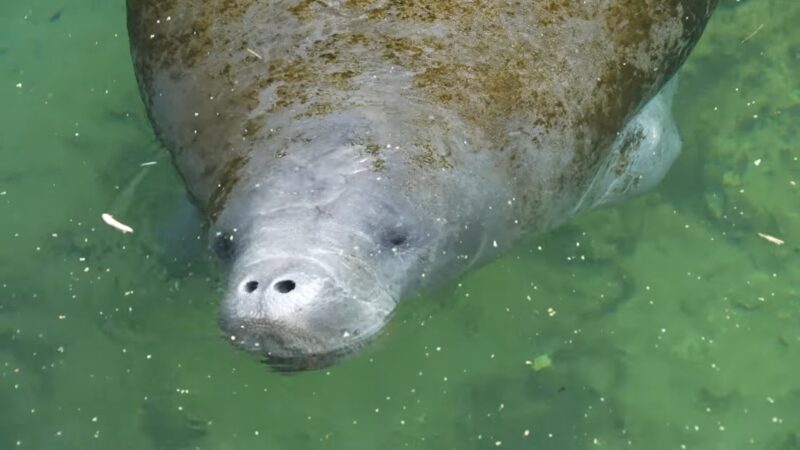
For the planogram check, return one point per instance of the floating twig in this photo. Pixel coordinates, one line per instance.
(772, 239)
(752, 34)
(111, 221)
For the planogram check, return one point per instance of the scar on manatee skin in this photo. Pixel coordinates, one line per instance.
(254, 53)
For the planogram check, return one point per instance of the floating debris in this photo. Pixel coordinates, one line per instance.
(148, 163)
(772, 239)
(540, 362)
(56, 16)
(111, 221)
(751, 35)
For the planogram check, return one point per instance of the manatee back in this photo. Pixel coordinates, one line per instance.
(540, 88)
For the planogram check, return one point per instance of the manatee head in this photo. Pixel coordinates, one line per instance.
(321, 248)
(312, 282)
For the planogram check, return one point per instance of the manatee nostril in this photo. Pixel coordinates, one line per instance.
(284, 286)
(395, 238)
(250, 286)
(397, 241)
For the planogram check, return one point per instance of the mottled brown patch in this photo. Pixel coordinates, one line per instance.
(293, 79)
(324, 72)
(176, 33)
(630, 144)
(417, 10)
(228, 180)
(374, 151)
(557, 11)
(399, 49)
(316, 109)
(488, 94)
(305, 8)
(173, 39)
(428, 158)
(253, 126)
(378, 164)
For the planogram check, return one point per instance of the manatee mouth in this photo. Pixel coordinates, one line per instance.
(298, 316)
(286, 351)
(302, 309)
(293, 364)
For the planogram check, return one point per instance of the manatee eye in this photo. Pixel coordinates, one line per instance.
(395, 238)
(224, 246)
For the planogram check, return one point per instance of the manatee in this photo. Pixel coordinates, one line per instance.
(347, 154)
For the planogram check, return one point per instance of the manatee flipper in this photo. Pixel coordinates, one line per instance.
(640, 156)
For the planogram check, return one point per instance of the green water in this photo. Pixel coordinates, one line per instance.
(669, 323)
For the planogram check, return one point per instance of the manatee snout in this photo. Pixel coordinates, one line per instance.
(316, 271)
(303, 313)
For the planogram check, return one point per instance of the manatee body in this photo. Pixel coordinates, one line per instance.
(347, 153)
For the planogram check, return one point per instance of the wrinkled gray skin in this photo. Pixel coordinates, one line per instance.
(349, 153)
